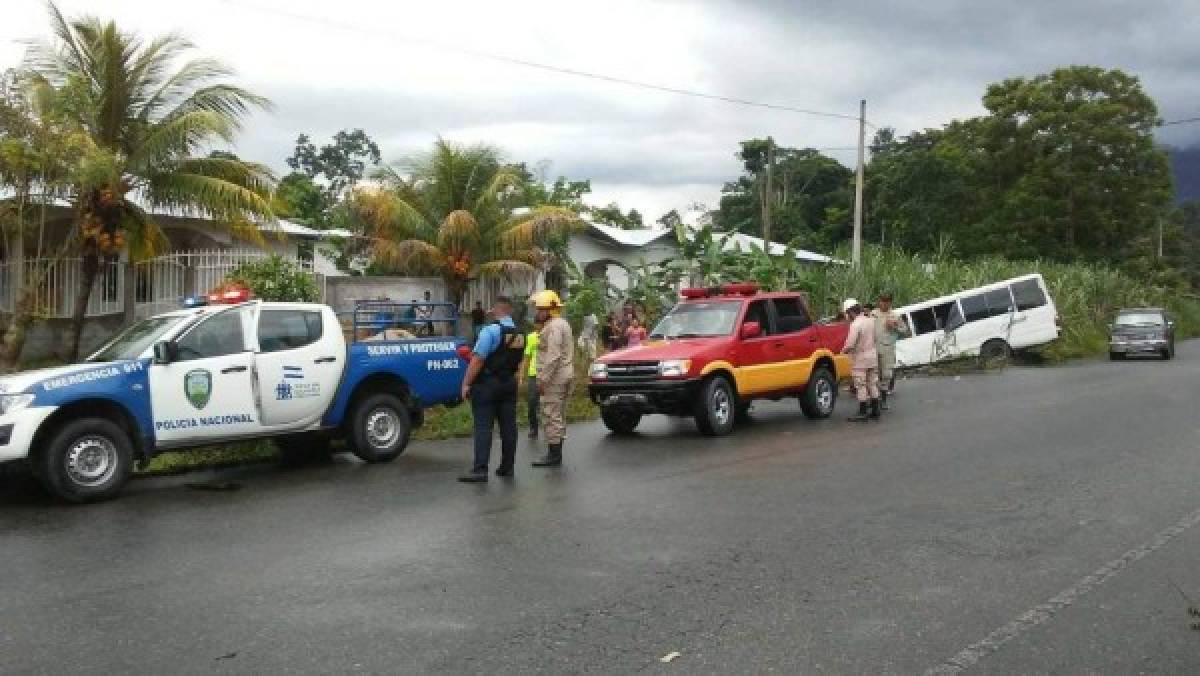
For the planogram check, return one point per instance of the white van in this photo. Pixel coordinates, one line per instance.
(990, 321)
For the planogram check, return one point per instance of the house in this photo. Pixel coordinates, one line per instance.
(602, 250)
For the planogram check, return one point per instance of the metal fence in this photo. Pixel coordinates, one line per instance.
(160, 283)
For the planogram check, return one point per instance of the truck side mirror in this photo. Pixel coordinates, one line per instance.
(165, 352)
(751, 330)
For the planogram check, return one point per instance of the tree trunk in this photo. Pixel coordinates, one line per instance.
(18, 328)
(87, 279)
(129, 292)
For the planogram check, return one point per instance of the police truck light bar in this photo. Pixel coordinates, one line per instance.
(738, 289)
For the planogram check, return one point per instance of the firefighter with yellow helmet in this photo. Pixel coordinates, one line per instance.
(555, 360)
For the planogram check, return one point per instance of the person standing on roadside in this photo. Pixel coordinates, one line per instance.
(864, 367)
(636, 333)
(889, 327)
(491, 386)
(532, 399)
(556, 368)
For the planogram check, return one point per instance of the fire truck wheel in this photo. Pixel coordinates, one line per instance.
(717, 407)
(820, 395)
(620, 420)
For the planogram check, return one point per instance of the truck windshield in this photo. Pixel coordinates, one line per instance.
(693, 320)
(133, 341)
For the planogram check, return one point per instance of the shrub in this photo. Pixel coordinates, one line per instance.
(275, 278)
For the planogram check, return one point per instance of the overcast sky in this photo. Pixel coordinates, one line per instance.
(364, 64)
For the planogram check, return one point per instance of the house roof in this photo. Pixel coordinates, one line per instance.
(733, 242)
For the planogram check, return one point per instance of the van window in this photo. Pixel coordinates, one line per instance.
(932, 318)
(1028, 294)
(999, 302)
(790, 316)
(975, 307)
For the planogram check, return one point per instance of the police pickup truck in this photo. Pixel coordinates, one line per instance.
(234, 370)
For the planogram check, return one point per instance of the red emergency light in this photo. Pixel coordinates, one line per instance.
(229, 296)
(736, 289)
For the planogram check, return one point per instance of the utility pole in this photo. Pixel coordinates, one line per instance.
(856, 250)
(766, 198)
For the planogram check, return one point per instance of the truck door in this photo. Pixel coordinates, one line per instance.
(759, 358)
(800, 338)
(207, 392)
(298, 365)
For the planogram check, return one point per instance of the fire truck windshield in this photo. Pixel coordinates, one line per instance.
(698, 319)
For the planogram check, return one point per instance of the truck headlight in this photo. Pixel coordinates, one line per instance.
(599, 371)
(674, 368)
(10, 403)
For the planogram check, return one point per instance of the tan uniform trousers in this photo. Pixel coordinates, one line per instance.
(554, 411)
(866, 384)
(887, 363)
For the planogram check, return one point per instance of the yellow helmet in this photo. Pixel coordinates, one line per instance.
(546, 300)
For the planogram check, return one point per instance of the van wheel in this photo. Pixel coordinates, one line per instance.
(620, 420)
(995, 352)
(379, 428)
(86, 461)
(716, 409)
(820, 396)
(304, 449)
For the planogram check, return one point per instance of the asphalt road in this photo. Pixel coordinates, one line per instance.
(1033, 520)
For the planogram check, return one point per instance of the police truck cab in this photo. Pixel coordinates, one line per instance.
(227, 369)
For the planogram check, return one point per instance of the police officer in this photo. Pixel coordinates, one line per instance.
(491, 386)
(864, 367)
(556, 367)
(889, 327)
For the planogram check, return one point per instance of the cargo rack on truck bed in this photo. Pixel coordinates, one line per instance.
(375, 318)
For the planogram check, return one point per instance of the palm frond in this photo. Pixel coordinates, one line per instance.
(506, 270)
(387, 216)
(146, 239)
(538, 227)
(409, 256)
(182, 135)
(458, 231)
(220, 199)
(229, 101)
(190, 76)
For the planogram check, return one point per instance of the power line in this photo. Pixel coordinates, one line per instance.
(1188, 120)
(533, 64)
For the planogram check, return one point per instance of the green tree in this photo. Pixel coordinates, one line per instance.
(321, 176)
(1074, 151)
(275, 278)
(613, 216)
(151, 116)
(448, 213)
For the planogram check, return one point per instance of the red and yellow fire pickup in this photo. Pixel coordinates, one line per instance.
(716, 351)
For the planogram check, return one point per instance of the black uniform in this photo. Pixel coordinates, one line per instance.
(494, 399)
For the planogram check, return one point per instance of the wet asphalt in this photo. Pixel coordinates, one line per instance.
(1030, 520)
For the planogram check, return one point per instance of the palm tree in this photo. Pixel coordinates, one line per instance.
(155, 118)
(453, 213)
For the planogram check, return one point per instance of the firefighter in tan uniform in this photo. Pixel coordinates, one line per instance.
(864, 365)
(889, 327)
(556, 368)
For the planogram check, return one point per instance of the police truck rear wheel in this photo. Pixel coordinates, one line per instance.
(379, 428)
(620, 420)
(820, 396)
(716, 409)
(86, 461)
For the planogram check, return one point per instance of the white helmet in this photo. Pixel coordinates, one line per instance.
(849, 305)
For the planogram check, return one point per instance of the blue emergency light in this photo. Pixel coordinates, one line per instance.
(195, 301)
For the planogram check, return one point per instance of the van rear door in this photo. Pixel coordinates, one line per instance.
(1035, 322)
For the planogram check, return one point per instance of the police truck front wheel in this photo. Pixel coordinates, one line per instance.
(716, 408)
(86, 461)
(620, 420)
(379, 427)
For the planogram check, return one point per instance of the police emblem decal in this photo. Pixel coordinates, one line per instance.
(197, 386)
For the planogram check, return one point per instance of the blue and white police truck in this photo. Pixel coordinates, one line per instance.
(235, 370)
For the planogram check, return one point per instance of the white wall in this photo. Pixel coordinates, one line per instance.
(584, 249)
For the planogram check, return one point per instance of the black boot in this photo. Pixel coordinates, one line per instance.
(875, 409)
(883, 400)
(553, 457)
(862, 413)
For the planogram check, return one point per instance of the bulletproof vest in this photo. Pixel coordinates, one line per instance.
(506, 359)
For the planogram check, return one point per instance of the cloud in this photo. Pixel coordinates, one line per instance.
(378, 66)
